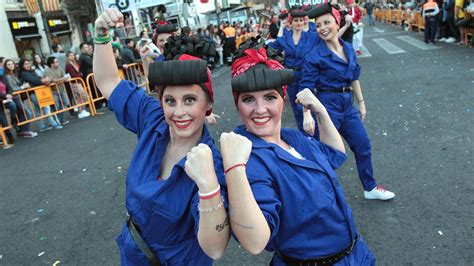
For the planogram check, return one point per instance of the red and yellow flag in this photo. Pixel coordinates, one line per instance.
(48, 5)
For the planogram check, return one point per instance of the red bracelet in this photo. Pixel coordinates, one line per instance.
(234, 166)
(205, 196)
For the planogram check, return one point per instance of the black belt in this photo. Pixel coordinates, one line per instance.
(342, 90)
(329, 260)
(134, 229)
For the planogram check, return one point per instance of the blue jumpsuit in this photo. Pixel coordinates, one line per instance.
(324, 70)
(165, 210)
(294, 58)
(302, 200)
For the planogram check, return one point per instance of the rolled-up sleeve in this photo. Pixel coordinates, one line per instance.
(335, 158)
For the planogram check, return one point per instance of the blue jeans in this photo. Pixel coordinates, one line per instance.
(371, 20)
(62, 101)
(46, 111)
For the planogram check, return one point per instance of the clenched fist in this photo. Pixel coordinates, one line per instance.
(199, 167)
(110, 18)
(309, 101)
(235, 149)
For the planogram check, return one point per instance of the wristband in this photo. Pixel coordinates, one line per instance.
(102, 39)
(234, 166)
(211, 194)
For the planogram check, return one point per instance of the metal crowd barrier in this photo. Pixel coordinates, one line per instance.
(36, 102)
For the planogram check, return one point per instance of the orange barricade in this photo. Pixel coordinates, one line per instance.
(3, 135)
(138, 78)
(94, 93)
(36, 102)
(135, 73)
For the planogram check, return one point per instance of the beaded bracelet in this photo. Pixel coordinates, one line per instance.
(213, 209)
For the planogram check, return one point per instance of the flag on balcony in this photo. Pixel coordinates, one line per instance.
(32, 7)
(48, 5)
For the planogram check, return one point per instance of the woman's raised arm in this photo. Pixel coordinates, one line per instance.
(104, 67)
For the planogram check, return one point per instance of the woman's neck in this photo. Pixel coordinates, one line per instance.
(185, 143)
(334, 44)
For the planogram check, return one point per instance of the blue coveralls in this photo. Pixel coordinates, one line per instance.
(294, 58)
(165, 210)
(312, 26)
(324, 70)
(302, 200)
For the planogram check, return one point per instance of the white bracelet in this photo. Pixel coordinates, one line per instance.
(209, 193)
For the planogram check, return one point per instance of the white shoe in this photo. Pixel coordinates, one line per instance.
(442, 39)
(450, 40)
(29, 134)
(379, 193)
(83, 114)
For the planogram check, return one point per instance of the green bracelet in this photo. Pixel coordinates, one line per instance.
(102, 39)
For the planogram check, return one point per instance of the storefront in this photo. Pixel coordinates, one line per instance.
(60, 31)
(26, 36)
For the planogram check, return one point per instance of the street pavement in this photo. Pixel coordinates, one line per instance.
(62, 193)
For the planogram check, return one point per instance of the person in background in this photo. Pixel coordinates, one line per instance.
(13, 83)
(296, 44)
(160, 37)
(369, 6)
(127, 52)
(430, 14)
(79, 93)
(85, 60)
(118, 59)
(59, 77)
(331, 71)
(5, 99)
(218, 43)
(274, 28)
(39, 65)
(29, 76)
(229, 42)
(59, 54)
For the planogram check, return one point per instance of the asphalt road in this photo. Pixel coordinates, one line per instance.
(62, 193)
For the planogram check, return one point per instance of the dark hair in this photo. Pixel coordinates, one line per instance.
(185, 31)
(82, 45)
(50, 60)
(42, 63)
(127, 41)
(21, 63)
(1, 58)
(55, 47)
(114, 49)
(7, 71)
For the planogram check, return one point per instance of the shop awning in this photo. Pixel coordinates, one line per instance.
(59, 33)
(28, 37)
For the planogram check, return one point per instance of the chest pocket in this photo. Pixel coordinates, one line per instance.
(165, 217)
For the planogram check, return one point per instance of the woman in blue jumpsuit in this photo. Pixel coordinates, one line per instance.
(283, 191)
(296, 44)
(174, 201)
(332, 71)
